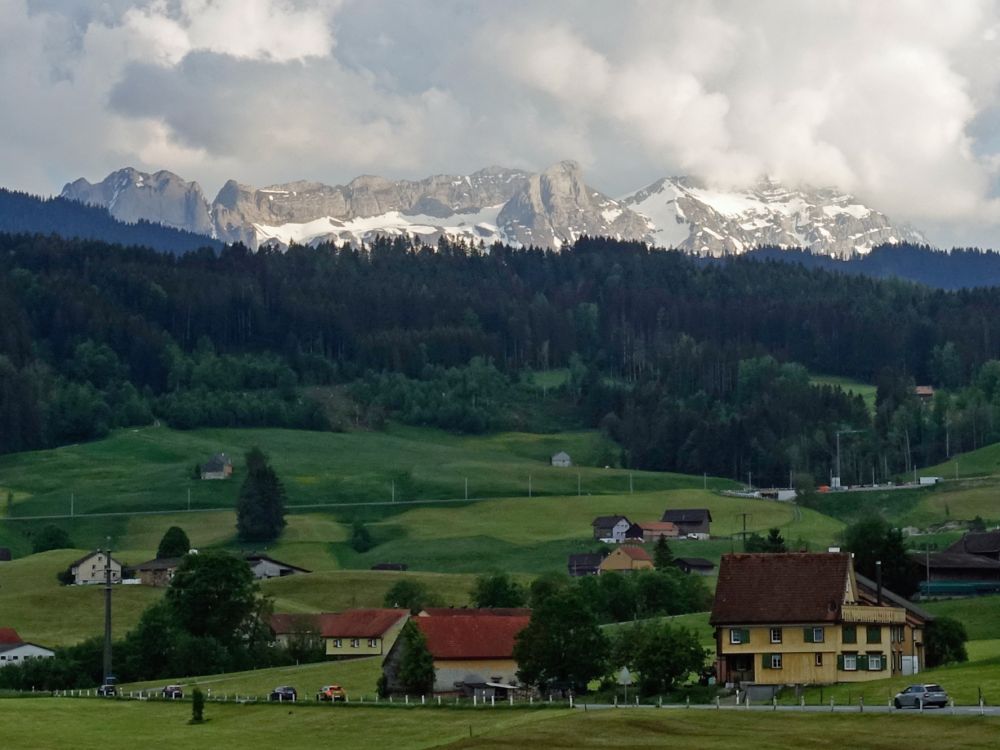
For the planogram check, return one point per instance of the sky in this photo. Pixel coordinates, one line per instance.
(897, 101)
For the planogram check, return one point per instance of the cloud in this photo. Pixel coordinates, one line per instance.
(896, 100)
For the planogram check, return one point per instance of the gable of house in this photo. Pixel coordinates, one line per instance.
(791, 587)
(9, 636)
(625, 558)
(689, 520)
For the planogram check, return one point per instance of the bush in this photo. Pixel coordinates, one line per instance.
(50, 537)
(197, 706)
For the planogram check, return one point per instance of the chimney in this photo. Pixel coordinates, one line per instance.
(878, 582)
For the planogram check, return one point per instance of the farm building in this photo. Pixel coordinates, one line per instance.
(562, 460)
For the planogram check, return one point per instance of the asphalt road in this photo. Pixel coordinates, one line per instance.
(813, 709)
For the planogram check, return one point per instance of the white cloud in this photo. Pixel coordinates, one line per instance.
(897, 100)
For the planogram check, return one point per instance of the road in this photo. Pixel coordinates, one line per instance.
(813, 709)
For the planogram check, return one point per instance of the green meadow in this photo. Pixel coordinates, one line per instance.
(89, 724)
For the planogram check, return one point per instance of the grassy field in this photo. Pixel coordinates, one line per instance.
(92, 725)
(151, 468)
(981, 615)
(44, 612)
(356, 676)
(982, 462)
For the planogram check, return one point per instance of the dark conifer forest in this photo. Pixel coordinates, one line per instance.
(689, 366)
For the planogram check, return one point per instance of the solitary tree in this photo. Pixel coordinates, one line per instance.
(214, 594)
(197, 706)
(666, 656)
(175, 543)
(945, 641)
(361, 538)
(563, 645)
(497, 590)
(416, 665)
(260, 509)
(49, 537)
(407, 594)
(663, 557)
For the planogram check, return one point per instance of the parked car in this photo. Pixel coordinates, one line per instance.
(107, 690)
(927, 695)
(173, 691)
(331, 693)
(283, 693)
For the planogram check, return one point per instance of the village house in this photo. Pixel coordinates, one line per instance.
(626, 559)
(697, 565)
(219, 466)
(286, 627)
(611, 529)
(361, 632)
(264, 567)
(473, 652)
(15, 650)
(562, 460)
(653, 530)
(694, 522)
(90, 569)
(158, 572)
(584, 564)
(907, 640)
(799, 619)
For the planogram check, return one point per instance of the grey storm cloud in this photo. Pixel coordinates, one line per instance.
(897, 101)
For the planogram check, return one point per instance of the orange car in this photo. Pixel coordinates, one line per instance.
(331, 693)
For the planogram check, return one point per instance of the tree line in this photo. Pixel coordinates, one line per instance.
(690, 366)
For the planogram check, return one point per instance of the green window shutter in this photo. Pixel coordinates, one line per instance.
(840, 662)
(745, 635)
(765, 661)
(850, 634)
(807, 635)
(882, 667)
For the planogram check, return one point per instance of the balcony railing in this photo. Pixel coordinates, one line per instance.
(873, 615)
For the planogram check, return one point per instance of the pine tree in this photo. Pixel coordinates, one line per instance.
(663, 557)
(175, 543)
(416, 665)
(260, 509)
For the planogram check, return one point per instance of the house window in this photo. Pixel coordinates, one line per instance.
(775, 661)
(850, 662)
(336, 643)
(372, 642)
(850, 634)
(818, 660)
(874, 662)
(874, 634)
(775, 635)
(817, 635)
(737, 636)
(355, 642)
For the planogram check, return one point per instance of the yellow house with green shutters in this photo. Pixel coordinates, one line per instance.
(800, 619)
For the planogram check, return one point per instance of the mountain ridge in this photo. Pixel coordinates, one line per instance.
(551, 208)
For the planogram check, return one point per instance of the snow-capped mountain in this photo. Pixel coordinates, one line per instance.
(547, 209)
(684, 214)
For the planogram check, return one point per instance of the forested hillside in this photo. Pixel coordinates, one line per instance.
(21, 212)
(691, 367)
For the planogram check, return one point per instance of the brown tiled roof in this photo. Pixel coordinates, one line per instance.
(471, 636)
(360, 623)
(283, 623)
(695, 562)
(476, 612)
(978, 543)
(9, 636)
(160, 563)
(636, 553)
(795, 587)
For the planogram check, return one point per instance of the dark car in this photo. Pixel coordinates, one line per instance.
(173, 691)
(283, 693)
(107, 690)
(921, 695)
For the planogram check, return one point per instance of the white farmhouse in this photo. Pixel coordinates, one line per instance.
(13, 650)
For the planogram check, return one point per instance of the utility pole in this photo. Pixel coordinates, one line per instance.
(107, 613)
(466, 488)
(394, 490)
(72, 504)
(836, 480)
(745, 517)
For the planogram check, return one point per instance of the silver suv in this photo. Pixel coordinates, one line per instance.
(916, 695)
